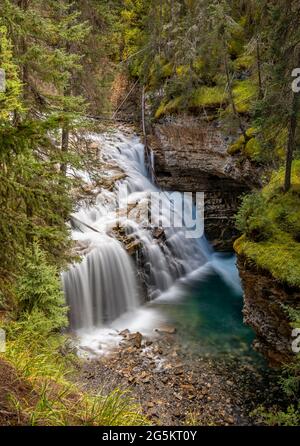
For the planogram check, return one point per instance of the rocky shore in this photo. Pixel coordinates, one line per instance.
(177, 388)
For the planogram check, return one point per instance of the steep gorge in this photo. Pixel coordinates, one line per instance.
(190, 155)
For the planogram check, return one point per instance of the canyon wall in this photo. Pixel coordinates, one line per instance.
(191, 156)
(265, 303)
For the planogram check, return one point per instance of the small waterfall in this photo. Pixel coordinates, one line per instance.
(103, 286)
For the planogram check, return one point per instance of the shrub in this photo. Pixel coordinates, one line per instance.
(38, 289)
(251, 218)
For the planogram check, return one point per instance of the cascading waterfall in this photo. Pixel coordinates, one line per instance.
(103, 286)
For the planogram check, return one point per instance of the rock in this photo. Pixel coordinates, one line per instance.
(124, 333)
(158, 233)
(94, 146)
(191, 156)
(135, 339)
(133, 247)
(263, 310)
(166, 330)
(178, 396)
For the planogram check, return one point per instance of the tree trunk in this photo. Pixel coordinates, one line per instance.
(291, 142)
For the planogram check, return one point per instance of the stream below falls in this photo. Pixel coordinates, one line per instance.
(188, 286)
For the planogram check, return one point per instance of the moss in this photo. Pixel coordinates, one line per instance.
(244, 92)
(253, 149)
(237, 147)
(182, 71)
(167, 108)
(161, 69)
(198, 65)
(250, 150)
(251, 132)
(244, 62)
(282, 260)
(208, 97)
(279, 214)
(166, 70)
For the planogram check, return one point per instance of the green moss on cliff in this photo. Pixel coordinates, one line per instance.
(208, 97)
(270, 221)
(251, 148)
(244, 92)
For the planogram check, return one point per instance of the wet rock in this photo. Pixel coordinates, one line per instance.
(135, 339)
(166, 330)
(158, 233)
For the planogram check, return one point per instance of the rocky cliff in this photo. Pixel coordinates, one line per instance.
(265, 302)
(191, 155)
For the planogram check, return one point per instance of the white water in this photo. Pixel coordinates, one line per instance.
(102, 291)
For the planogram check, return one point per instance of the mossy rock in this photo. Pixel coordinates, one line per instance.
(244, 62)
(168, 108)
(277, 214)
(237, 147)
(213, 97)
(253, 149)
(244, 92)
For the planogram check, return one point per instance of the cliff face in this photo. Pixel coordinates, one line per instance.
(264, 299)
(191, 156)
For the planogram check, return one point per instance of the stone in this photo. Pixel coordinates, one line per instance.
(166, 330)
(135, 339)
(124, 333)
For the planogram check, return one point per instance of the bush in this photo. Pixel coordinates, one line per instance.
(251, 218)
(38, 289)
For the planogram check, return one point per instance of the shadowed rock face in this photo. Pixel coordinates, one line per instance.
(191, 156)
(264, 299)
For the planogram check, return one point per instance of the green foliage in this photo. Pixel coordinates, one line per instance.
(270, 223)
(291, 417)
(35, 351)
(244, 92)
(251, 218)
(38, 288)
(253, 149)
(10, 98)
(208, 97)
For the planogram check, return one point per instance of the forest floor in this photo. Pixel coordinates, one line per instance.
(176, 388)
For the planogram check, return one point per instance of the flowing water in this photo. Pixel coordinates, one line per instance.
(187, 283)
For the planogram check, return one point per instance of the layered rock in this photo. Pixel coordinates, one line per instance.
(190, 155)
(265, 310)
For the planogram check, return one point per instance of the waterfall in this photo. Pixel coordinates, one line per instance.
(103, 286)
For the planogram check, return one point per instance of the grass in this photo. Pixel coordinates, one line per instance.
(58, 401)
(270, 221)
